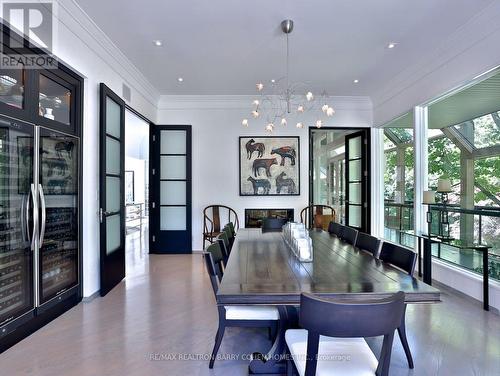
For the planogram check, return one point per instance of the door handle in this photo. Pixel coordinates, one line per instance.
(102, 213)
(44, 214)
(35, 208)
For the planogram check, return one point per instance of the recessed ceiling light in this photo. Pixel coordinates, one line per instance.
(180, 79)
(356, 81)
(158, 43)
(273, 80)
(391, 45)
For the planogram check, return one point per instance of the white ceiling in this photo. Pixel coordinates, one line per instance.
(225, 47)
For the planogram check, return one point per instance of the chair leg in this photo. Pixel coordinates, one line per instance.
(404, 341)
(218, 341)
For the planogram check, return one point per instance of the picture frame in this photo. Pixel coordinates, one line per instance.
(269, 165)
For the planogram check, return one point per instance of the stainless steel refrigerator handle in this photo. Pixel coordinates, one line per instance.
(44, 214)
(26, 225)
(35, 206)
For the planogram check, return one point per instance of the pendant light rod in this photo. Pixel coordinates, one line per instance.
(287, 28)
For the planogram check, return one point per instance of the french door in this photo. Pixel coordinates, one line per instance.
(357, 208)
(170, 192)
(112, 172)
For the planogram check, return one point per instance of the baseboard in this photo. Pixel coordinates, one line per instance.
(88, 299)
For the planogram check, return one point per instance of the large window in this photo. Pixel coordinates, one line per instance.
(464, 148)
(399, 179)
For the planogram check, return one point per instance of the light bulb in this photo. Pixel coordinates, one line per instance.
(324, 108)
(309, 96)
(319, 123)
(260, 86)
(255, 114)
(270, 127)
(283, 121)
(300, 125)
(330, 111)
(300, 108)
(256, 102)
(245, 122)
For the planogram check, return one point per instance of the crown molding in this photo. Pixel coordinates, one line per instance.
(94, 37)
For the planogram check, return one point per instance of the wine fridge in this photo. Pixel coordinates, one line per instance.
(39, 230)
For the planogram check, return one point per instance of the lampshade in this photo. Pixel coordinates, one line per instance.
(444, 186)
(429, 197)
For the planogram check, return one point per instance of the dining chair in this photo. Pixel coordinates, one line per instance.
(349, 235)
(332, 339)
(368, 243)
(317, 216)
(212, 216)
(230, 236)
(223, 241)
(404, 259)
(235, 316)
(336, 229)
(273, 224)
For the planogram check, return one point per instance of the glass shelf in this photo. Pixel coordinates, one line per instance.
(12, 87)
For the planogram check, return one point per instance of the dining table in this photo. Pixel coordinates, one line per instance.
(263, 270)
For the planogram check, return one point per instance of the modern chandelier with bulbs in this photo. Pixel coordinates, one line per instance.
(281, 98)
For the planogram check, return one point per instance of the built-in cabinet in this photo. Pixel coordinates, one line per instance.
(40, 197)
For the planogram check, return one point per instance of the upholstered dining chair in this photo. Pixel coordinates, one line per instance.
(317, 216)
(333, 330)
(349, 235)
(336, 229)
(212, 216)
(235, 316)
(223, 241)
(404, 259)
(230, 235)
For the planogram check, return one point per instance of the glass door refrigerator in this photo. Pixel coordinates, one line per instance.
(39, 228)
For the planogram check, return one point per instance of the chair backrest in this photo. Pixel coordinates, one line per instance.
(273, 224)
(364, 318)
(232, 228)
(349, 234)
(399, 256)
(223, 241)
(230, 236)
(212, 271)
(368, 243)
(212, 218)
(336, 229)
(317, 216)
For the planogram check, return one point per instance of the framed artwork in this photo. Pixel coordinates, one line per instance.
(269, 166)
(129, 187)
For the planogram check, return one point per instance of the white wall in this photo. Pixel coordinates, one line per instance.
(216, 122)
(86, 49)
(467, 53)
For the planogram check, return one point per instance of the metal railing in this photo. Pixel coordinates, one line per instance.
(480, 225)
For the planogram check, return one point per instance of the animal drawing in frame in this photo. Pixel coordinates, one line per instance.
(269, 166)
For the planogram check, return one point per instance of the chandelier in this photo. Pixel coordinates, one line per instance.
(280, 99)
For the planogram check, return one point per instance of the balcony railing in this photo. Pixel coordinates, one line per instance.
(480, 225)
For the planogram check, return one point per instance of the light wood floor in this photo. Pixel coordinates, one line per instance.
(165, 307)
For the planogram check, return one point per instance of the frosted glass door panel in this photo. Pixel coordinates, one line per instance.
(113, 118)
(113, 230)
(354, 216)
(173, 218)
(355, 170)
(173, 193)
(355, 147)
(113, 197)
(173, 167)
(355, 193)
(112, 156)
(173, 142)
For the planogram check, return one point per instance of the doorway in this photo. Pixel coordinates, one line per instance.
(339, 173)
(136, 198)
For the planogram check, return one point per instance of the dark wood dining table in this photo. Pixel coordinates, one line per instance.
(262, 269)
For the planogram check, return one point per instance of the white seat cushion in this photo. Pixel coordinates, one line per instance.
(336, 356)
(251, 313)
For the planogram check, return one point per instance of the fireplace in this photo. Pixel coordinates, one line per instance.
(254, 217)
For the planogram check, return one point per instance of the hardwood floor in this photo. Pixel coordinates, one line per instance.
(165, 307)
